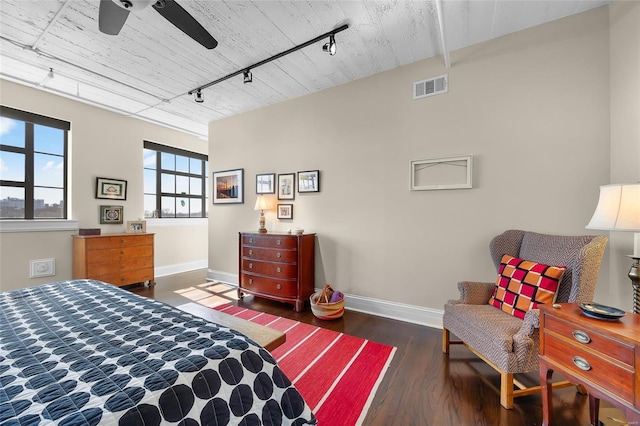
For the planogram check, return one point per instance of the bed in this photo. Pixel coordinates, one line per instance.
(83, 352)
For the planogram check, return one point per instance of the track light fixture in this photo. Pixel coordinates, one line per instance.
(331, 46)
(197, 96)
(246, 72)
(247, 76)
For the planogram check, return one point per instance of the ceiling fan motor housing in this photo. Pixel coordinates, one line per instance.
(134, 5)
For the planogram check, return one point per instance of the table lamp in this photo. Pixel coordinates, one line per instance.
(261, 204)
(618, 209)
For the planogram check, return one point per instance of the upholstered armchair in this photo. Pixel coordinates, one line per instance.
(507, 343)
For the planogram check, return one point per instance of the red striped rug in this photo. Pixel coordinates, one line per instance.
(337, 374)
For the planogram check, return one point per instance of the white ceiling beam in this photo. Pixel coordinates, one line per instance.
(445, 51)
(34, 46)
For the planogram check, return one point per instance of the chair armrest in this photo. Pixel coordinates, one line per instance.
(473, 293)
(530, 325)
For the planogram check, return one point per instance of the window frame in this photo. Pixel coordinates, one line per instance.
(159, 149)
(31, 119)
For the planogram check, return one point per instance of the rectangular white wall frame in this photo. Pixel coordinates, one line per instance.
(442, 173)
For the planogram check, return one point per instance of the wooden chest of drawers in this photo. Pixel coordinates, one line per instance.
(119, 259)
(277, 266)
(603, 356)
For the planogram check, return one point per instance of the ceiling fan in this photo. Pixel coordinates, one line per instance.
(113, 14)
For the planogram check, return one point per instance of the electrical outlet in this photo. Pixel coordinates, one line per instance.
(43, 268)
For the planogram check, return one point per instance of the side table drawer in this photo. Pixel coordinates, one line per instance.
(601, 372)
(597, 342)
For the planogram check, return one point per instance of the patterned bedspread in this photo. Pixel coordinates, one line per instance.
(84, 352)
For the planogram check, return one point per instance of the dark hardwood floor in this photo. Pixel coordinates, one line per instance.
(422, 386)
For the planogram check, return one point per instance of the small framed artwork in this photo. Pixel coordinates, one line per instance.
(266, 183)
(285, 211)
(309, 181)
(228, 187)
(111, 189)
(287, 186)
(111, 215)
(136, 226)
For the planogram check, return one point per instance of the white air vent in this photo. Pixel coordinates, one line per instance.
(430, 87)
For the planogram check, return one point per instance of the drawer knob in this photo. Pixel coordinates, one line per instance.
(250, 280)
(250, 252)
(251, 240)
(121, 241)
(278, 255)
(278, 286)
(278, 269)
(122, 266)
(278, 242)
(121, 251)
(581, 363)
(581, 336)
(250, 265)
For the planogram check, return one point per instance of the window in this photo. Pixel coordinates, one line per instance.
(33, 165)
(175, 182)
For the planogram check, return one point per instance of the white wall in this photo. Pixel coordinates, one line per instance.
(624, 20)
(102, 144)
(533, 109)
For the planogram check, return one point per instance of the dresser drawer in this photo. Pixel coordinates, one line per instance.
(597, 342)
(105, 268)
(118, 241)
(268, 286)
(272, 269)
(602, 372)
(276, 255)
(280, 241)
(127, 277)
(101, 256)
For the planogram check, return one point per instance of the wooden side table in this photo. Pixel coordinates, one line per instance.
(603, 356)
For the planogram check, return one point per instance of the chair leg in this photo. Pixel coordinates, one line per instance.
(506, 390)
(445, 340)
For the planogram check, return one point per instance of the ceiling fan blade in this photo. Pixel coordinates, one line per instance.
(179, 17)
(111, 17)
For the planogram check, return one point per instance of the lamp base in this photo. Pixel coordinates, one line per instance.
(262, 230)
(634, 276)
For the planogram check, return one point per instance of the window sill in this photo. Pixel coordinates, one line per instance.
(194, 221)
(38, 225)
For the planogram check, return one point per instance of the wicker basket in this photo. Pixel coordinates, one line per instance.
(326, 311)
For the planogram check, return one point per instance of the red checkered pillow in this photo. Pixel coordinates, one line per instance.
(522, 285)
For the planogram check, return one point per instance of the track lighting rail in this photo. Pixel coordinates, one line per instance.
(272, 58)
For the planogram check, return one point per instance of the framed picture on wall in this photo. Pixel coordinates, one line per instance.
(111, 215)
(287, 186)
(266, 183)
(309, 181)
(285, 211)
(228, 186)
(111, 189)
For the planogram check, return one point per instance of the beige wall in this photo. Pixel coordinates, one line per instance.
(533, 109)
(102, 144)
(624, 21)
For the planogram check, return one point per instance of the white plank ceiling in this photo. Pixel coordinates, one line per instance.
(147, 70)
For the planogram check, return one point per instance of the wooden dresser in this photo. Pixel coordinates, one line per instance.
(603, 356)
(277, 266)
(119, 259)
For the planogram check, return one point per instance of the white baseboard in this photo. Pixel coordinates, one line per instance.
(383, 308)
(178, 268)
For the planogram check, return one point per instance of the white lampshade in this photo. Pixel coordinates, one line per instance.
(618, 208)
(261, 203)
